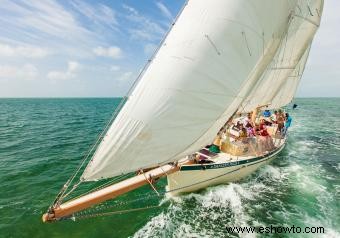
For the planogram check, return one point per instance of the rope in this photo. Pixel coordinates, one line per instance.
(150, 182)
(141, 197)
(110, 182)
(81, 217)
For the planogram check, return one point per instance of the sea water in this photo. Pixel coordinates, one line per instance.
(42, 141)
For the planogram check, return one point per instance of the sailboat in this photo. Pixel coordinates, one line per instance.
(220, 61)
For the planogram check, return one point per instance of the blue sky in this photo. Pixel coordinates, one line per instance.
(82, 48)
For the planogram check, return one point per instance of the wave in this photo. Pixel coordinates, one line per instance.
(284, 196)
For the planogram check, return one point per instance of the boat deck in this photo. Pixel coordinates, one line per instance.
(223, 157)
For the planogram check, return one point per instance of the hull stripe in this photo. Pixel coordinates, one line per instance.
(228, 164)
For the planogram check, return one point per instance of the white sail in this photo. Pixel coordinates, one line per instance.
(303, 26)
(289, 87)
(209, 62)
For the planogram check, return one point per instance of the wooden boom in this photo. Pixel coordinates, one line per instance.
(86, 201)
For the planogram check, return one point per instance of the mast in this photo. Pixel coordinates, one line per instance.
(66, 209)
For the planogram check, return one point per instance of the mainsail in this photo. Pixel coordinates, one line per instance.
(279, 82)
(211, 60)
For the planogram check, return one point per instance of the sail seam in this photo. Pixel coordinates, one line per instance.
(308, 20)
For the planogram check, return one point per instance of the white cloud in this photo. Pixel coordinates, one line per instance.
(114, 68)
(48, 24)
(71, 71)
(47, 17)
(165, 11)
(99, 14)
(73, 66)
(27, 71)
(112, 51)
(146, 29)
(22, 51)
(125, 76)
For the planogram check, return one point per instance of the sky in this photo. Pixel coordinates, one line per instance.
(94, 48)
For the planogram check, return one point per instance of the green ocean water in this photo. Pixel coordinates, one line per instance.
(43, 140)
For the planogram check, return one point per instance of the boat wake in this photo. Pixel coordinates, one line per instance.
(206, 214)
(276, 195)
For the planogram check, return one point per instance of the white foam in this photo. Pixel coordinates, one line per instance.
(271, 172)
(154, 227)
(330, 232)
(212, 207)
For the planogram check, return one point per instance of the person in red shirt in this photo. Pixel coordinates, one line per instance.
(265, 141)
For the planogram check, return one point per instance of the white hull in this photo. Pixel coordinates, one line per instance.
(198, 176)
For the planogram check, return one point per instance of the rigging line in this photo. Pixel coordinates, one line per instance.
(110, 182)
(81, 217)
(67, 194)
(103, 207)
(167, 175)
(243, 108)
(150, 182)
(245, 38)
(244, 104)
